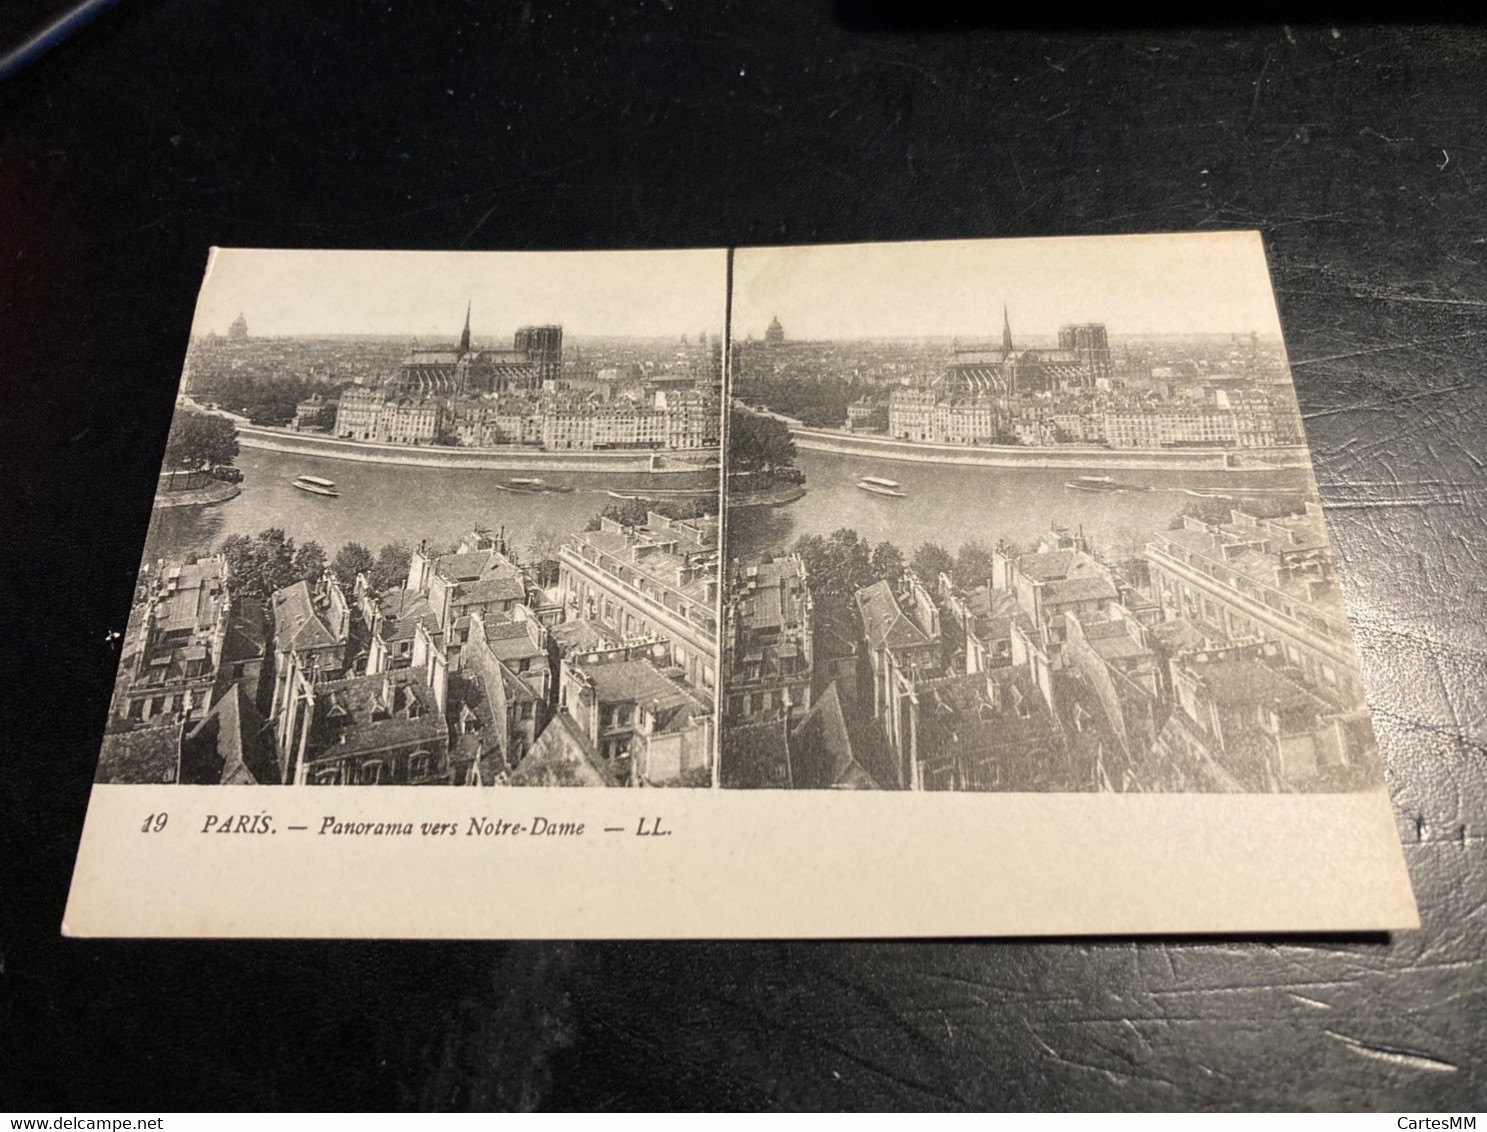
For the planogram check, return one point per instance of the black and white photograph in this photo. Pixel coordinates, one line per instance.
(434, 519)
(1013, 548)
(1027, 516)
(645, 557)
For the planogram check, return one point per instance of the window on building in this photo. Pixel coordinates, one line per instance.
(418, 766)
(371, 773)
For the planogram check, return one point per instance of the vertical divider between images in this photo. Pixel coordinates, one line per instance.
(725, 400)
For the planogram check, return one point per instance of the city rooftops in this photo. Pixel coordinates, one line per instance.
(755, 756)
(1248, 682)
(1306, 531)
(297, 624)
(145, 755)
(490, 664)
(883, 621)
(1113, 639)
(189, 596)
(635, 680)
(1178, 636)
(1269, 553)
(772, 571)
(467, 566)
(990, 729)
(512, 640)
(995, 611)
(833, 748)
(1056, 565)
(583, 635)
(403, 611)
(369, 713)
(680, 555)
(498, 587)
(771, 594)
(1092, 587)
(246, 639)
(231, 746)
(680, 537)
(516, 688)
(563, 756)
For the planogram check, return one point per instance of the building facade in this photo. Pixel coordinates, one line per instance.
(175, 644)
(1255, 579)
(771, 641)
(655, 581)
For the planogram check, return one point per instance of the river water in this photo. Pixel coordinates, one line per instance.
(952, 504)
(944, 503)
(383, 503)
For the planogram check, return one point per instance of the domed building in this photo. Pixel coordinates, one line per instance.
(239, 328)
(775, 334)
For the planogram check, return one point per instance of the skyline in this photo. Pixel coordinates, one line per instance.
(1208, 283)
(1137, 286)
(478, 337)
(300, 293)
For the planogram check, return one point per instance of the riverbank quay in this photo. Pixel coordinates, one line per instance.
(1061, 457)
(768, 497)
(680, 462)
(216, 492)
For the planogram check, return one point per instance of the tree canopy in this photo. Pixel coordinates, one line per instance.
(757, 443)
(839, 564)
(264, 400)
(257, 565)
(817, 403)
(352, 559)
(931, 560)
(309, 561)
(888, 562)
(633, 512)
(390, 572)
(198, 439)
(973, 565)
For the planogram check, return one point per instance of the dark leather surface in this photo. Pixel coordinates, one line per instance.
(168, 126)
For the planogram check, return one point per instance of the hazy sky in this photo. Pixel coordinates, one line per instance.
(1200, 283)
(641, 293)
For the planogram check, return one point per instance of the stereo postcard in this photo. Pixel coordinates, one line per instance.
(938, 589)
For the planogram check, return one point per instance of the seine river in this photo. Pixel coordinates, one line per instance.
(951, 504)
(945, 503)
(379, 504)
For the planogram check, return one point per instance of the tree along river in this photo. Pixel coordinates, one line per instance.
(952, 504)
(383, 503)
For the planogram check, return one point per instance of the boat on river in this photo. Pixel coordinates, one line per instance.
(1101, 483)
(316, 486)
(879, 486)
(531, 485)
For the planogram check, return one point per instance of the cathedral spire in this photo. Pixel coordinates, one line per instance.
(1006, 330)
(465, 336)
